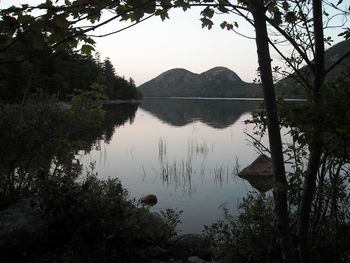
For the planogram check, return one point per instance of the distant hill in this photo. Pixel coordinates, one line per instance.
(223, 82)
(288, 86)
(216, 82)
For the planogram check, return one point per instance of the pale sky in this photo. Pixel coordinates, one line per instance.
(152, 47)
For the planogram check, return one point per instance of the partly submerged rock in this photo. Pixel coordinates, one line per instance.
(149, 200)
(196, 259)
(188, 245)
(259, 173)
(21, 229)
(20, 216)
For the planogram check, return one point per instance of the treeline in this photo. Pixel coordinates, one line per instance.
(61, 74)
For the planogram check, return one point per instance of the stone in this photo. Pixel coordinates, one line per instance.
(149, 200)
(195, 259)
(21, 228)
(152, 225)
(20, 216)
(187, 245)
(259, 174)
(155, 252)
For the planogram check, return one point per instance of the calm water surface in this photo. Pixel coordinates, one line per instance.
(185, 152)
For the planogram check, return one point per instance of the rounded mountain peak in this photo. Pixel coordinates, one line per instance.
(176, 72)
(171, 78)
(221, 73)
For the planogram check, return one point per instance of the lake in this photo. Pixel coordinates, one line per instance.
(185, 151)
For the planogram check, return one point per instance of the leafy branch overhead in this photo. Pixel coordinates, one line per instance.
(68, 25)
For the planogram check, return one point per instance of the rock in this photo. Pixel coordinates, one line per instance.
(155, 252)
(195, 259)
(259, 173)
(187, 245)
(152, 225)
(21, 228)
(20, 216)
(149, 200)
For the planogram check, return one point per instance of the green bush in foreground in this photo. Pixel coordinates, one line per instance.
(91, 221)
(249, 236)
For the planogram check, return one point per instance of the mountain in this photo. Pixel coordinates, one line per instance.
(223, 82)
(216, 82)
(289, 86)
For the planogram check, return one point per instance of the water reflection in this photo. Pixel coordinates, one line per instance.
(215, 113)
(42, 139)
(179, 173)
(116, 115)
(192, 167)
(188, 167)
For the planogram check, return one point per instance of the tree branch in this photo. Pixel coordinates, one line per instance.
(124, 28)
(292, 42)
(82, 32)
(292, 66)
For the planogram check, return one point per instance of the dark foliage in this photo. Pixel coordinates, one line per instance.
(41, 138)
(60, 74)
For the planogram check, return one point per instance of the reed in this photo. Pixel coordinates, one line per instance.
(162, 149)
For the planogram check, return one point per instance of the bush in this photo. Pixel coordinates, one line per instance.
(89, 221)
(248, 237)
(40, 137)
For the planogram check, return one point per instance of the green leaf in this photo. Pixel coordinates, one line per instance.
(87, 49)
(163, 15)
(207, 12)
(290, 17)
(223, 24)
(271, 7)
(60, 21)
(165, 3)
(206, 22)
(285, 6)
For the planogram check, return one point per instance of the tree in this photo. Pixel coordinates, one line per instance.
(299, 23)
(280, 183)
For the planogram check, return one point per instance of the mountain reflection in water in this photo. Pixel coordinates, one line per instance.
(215, 113)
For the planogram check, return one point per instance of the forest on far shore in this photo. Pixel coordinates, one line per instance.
(61, 74)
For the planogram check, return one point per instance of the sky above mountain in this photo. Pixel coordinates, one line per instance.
(151, 47)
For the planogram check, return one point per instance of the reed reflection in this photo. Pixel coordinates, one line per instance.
(179, 174)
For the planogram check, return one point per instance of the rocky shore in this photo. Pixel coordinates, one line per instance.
(23, 229)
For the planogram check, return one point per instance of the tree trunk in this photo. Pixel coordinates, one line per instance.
(315, 146)
(280, 183)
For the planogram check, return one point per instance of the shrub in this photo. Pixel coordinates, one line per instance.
(248, 237)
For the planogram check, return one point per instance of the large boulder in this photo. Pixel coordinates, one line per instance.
(152, 225)
(149, 200)
(21, 229)
(188, 245)
(20, 216)
(259, 173)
